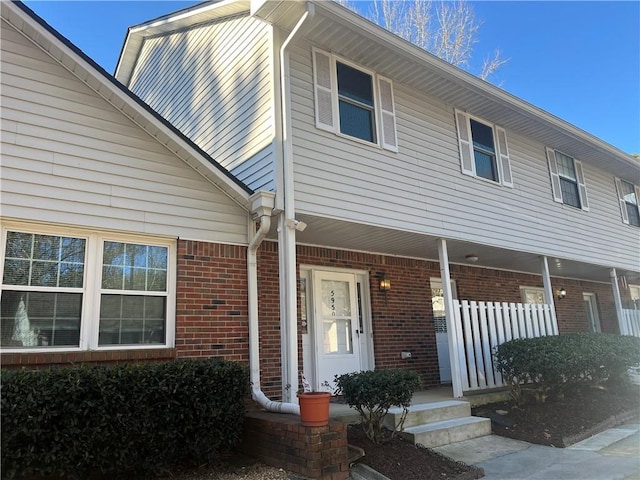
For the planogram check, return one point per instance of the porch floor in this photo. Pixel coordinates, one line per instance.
(343, 413)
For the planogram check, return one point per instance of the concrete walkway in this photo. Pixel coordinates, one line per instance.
(610, 455)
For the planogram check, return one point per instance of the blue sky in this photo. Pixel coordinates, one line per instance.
(577, 60)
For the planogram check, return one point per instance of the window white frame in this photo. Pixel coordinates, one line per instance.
(326, 99)
(626, 203)
(533, 291)
(555, 179)
(467, 150)
(91, 290)
(634, 293)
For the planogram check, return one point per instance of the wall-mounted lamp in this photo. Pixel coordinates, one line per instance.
(472, 257)
(562, 293)
(385, 283)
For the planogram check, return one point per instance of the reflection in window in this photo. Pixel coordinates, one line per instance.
(30, 316)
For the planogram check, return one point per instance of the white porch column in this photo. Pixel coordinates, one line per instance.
(548, 289)
(452, 337)
(616, 296)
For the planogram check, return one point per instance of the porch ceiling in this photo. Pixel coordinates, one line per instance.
(327, 232)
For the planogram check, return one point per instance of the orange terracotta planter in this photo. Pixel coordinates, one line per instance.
(314, 408)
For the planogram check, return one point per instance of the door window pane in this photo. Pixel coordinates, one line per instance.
(336, 317)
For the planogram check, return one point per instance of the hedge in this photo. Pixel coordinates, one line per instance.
(555, 365)
(120, 419)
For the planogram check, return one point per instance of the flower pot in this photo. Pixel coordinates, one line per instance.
(314, 408)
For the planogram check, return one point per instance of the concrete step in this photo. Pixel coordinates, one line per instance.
(448, 431)
(428, 413)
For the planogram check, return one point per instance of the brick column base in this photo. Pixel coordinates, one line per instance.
(280, 440)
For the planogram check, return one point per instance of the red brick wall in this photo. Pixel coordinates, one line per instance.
(212, 315)
(403, 319)
(211, 301)
(282, 441)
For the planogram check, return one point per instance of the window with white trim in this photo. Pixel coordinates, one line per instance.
(82, 291)
(353, 101)
(567, 180)
(483, 149)
(533, 295)
(628, 196)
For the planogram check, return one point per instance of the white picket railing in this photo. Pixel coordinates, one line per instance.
(630, 322)
(481, 326)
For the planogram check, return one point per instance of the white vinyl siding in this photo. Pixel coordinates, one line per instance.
(421, 190)
(571, 175)
(214, 83)
(70, 157)
(470, 150)
(328, 100)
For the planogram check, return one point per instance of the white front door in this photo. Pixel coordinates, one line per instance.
(440, 320)
(336, 325)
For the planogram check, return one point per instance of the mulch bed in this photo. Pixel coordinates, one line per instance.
(563, 422)
(557, 423)
(398, 459)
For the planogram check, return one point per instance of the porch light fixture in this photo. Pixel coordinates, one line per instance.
(562, 293)
(473, 258)
(385, 283)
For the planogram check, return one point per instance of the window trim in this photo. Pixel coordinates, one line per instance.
(623, 203)
(91, 290)
(525, 288)
(384, 119)
(555, 176)
(466, 149)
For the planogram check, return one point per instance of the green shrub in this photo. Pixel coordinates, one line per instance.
(372, 393)
(119, 420)
(555, 365)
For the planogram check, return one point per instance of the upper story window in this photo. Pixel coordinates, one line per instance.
(483, 149)
(567, 180)
(352, 101)
(79, 291)
(628, 195)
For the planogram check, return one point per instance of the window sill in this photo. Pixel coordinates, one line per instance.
(45, 358)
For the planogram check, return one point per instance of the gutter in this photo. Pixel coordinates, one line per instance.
(261, 207)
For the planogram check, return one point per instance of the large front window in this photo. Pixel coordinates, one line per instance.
(83, 291)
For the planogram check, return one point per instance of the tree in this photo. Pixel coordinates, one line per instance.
(446, 29)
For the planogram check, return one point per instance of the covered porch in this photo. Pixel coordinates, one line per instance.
(476, 323)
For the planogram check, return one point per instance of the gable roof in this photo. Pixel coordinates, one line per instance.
(342, 31)
(106, 86)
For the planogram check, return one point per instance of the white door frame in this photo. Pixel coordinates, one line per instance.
(309, 350)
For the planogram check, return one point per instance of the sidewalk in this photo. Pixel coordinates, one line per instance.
(610, 455)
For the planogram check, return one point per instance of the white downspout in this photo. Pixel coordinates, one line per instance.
(286, 230)
(262, 206)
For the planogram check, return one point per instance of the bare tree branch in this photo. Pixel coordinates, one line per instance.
(448, 29)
